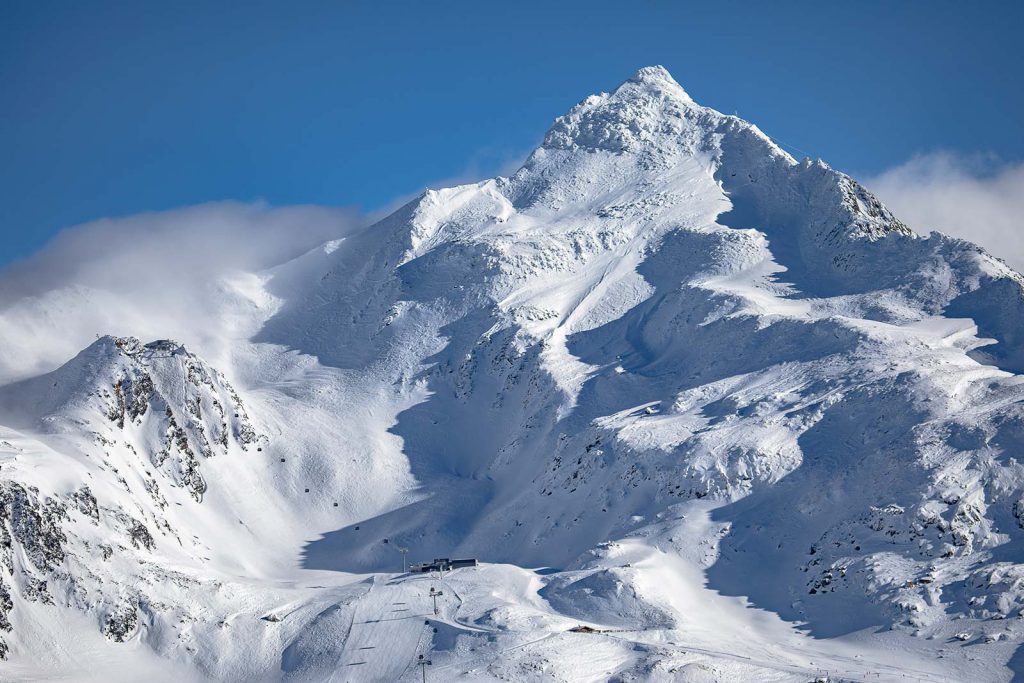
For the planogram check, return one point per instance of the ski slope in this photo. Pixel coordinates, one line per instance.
(387, 629)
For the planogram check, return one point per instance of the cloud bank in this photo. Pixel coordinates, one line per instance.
(974, 197)
(187, 274)
(181, 274)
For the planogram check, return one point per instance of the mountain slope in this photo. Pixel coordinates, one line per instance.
(662, 353)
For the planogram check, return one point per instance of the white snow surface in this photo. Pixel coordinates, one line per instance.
(666, 382)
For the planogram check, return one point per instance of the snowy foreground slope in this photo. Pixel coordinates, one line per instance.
(719, 406)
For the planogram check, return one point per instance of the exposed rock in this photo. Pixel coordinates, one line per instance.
(122, 621)
(34, 525)
(87, 503)
(140, 536)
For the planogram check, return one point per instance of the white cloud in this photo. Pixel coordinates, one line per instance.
(185, 274)
(153, 275)
(975, 197)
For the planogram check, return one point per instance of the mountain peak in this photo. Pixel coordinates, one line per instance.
(634, 114)
(652, 73)
(661, 334)
(656, 79)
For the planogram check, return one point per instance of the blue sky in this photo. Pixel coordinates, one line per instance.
(112, 108)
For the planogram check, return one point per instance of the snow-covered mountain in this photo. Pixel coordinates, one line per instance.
(717, 405)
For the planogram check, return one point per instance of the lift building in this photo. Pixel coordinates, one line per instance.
(443, 564)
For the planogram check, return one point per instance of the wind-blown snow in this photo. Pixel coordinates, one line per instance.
(187, 273)
(717, 405)
(975, 197)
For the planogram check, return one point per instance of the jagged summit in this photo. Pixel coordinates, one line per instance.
(644, 109)
(159, 386)
(657, 80)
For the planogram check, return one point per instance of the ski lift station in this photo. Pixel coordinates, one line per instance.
(442, 564)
